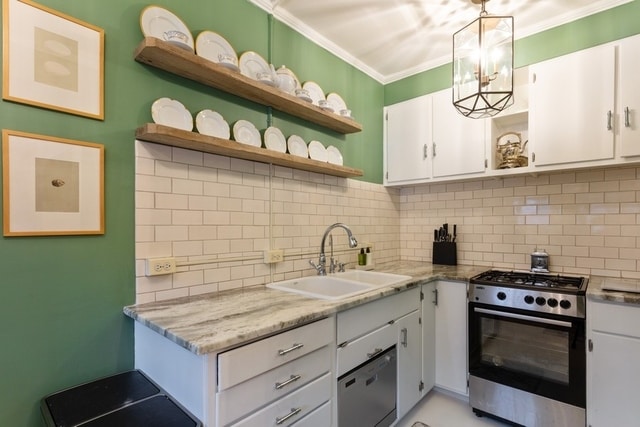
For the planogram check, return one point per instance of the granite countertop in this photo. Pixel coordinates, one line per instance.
(614, 289)
(212, 322)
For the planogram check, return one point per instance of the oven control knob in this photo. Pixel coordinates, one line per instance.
(552, 302)
(529, 299)
(566, 304)
(502, 296)
(541, 301)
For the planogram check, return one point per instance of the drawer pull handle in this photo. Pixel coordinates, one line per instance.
(292, 379)
(376, 352)
(293, 413)
(290, 349)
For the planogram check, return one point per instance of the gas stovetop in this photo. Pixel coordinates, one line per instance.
(541, 292)
(539, 281)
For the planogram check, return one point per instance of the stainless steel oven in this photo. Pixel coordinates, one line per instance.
(527, 357)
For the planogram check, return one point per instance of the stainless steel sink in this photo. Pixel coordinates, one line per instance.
(340, 285)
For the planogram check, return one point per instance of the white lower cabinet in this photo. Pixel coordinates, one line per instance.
(451, 336)
(613, 364)
(293, 407)
(365, 330)
(288, 372)
(428, 337)
(409, 362)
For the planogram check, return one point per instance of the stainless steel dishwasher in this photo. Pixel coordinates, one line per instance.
(367, 394)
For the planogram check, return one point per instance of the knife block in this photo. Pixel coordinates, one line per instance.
(445, 253)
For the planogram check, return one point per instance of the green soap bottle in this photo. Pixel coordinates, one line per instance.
(362, 257)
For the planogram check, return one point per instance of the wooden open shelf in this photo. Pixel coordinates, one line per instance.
(161, 54)
(166, 135)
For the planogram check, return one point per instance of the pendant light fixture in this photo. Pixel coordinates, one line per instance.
(483, 65)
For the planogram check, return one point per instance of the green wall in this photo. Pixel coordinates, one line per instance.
(61, 298)
(612, 24)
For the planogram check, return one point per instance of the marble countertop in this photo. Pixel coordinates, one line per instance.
(212, 322)
(614, 289)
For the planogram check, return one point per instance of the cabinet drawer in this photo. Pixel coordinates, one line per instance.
(362, 319)
(242, 363)
(320, 417)
(614, 318)
(292, 407)
(254, 393)
(358, 351)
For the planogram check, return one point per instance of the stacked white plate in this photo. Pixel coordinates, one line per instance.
(317, 151)
(169, 112)
(246, 133)
(158, 22)
(334, 156)
(297, 146)
(215, 48)
(274, 140)
(212, 123)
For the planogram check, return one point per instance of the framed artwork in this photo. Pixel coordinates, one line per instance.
(52, 60)
(51, 186)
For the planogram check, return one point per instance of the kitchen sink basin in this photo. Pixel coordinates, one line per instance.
(338, 286)
(373, 277)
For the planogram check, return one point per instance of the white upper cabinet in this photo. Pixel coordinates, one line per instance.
(427, 138)
(407, 141)
(629, 95)
(458, 141)
(572, 107)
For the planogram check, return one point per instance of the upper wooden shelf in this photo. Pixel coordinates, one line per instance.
(166, 135)
(164, 55)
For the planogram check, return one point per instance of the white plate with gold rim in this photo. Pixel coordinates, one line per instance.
(255, 67)
(317, 151)
(274, 140)
(212, 123)
(315, 92)
(169, 112)
(246, 133)
(336, 102)
(215, 48)
(156, 21)
(297, 146)
(334, 156)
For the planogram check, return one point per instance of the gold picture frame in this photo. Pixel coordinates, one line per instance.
(52, 60)
(51, 186)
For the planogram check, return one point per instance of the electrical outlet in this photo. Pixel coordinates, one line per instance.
(158, 266)
(273, 255)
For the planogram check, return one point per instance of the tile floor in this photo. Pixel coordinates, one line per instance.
(438, 409)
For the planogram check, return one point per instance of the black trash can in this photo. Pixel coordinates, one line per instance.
(128, 399)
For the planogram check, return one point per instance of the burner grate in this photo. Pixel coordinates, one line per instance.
(525, 279)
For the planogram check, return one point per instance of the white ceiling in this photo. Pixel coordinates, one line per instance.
(393, 39)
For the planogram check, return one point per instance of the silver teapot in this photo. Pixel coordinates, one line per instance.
(510, 150)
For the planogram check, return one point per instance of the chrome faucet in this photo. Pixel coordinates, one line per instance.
(321, 267)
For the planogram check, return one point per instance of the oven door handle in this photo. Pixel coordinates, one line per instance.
(524, 317)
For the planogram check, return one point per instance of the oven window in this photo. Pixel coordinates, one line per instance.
(537, 351)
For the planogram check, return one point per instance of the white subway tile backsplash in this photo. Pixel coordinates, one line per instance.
(204, 208)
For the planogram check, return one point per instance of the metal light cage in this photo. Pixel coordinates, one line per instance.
(483, 66)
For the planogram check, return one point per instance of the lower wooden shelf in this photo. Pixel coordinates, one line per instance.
(166, 135)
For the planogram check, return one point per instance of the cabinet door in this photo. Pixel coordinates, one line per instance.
(458, 141)
(428, 337)
(409, 362)
(629, 92)
(613, 381)
(571, 107)
(407, 141)
(451, 336)
(613, 372)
